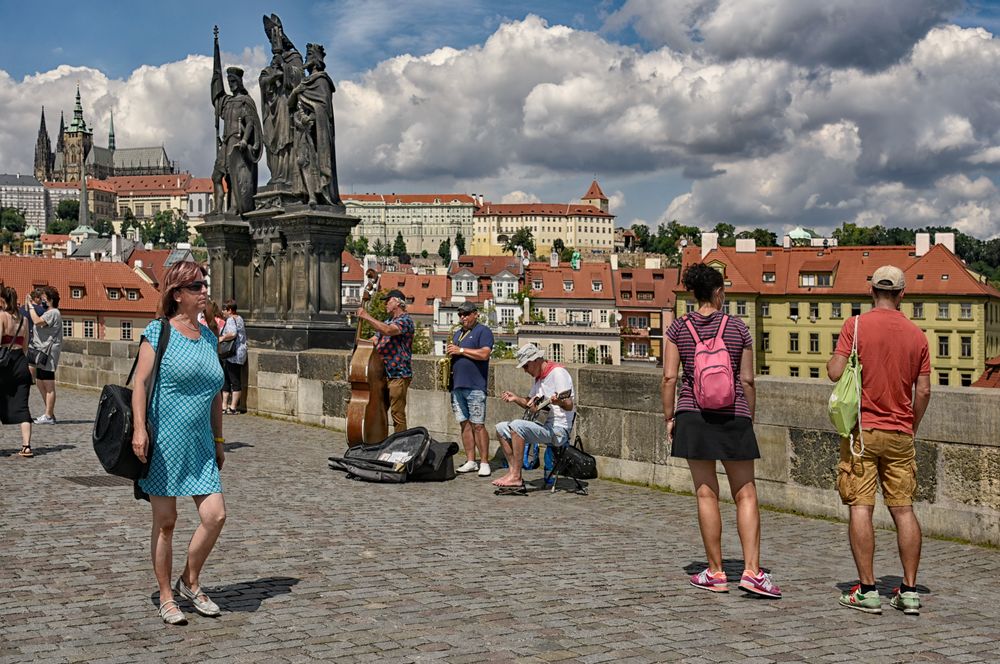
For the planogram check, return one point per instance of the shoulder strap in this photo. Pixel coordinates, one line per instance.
(722, 327)
(20, 324)
(854, 341)
(690, 327)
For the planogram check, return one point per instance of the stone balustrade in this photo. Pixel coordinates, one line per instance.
(620, 421)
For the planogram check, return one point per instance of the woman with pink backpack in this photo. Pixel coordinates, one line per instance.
(712, 420)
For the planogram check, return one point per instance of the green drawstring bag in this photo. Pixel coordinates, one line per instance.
(845, 402)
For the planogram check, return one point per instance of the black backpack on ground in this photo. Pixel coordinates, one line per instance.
(391, 461)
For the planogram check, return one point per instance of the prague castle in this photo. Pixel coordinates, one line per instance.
(75, 146)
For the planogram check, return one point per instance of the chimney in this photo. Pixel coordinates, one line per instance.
(709, 242)
(746, 246)
(116, 249)
(786, 242)
(138, 264)
(553, 259)
(454, 253)
(923, 244)
(70, 247)
(946, 239)
(614, 262)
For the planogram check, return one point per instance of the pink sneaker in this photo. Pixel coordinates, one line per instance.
(708, 580)
(759, 584)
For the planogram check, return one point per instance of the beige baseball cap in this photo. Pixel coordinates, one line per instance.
(889, 277)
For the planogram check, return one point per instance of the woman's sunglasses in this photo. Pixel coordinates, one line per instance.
(195, 286)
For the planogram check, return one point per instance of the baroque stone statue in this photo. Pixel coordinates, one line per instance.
(239, 147)
(311, 106)
(277, 80)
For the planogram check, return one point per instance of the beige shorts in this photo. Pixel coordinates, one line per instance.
(889, 456)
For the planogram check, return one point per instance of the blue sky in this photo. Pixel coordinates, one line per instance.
(770, 113)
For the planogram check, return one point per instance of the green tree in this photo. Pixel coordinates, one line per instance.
(68, 209)
(399, 246)
(423, 253)
(6, 238)
(502, 351)
(12, 219)
(379, 249)
(558, 245)
(444, 250)
(460, 243)
(104, 227)
(642, 237)
(422, 340)
(360, 246)
(727, 234)
(566, 254)
(591, 356)
(523, 238)
(61, 226)
(761, 237)
(128, 221)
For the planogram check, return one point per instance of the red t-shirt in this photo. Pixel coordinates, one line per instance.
(893, 352)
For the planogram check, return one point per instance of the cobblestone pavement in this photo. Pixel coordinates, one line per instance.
(312, 566)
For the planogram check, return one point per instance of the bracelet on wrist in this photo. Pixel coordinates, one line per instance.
(219, 440)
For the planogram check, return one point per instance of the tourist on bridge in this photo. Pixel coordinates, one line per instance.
(15, 379)
(184, 426)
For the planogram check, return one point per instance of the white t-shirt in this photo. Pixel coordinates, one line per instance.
(558, 380)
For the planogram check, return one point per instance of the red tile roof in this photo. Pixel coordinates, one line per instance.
(485, 266)
(420, 289)
(354, 273)
(92, 184)
(660, 282)
(595, 192)
(153, 261)
(151, 185)
(553, 281)
(200, 186)
(540, 209)
(25, 273)
(939, 272)
(394, 199)
(990, 377)
(54, 238)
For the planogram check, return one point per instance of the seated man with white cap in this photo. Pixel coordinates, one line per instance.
(552, 394)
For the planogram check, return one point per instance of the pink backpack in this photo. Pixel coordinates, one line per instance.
(714, 387)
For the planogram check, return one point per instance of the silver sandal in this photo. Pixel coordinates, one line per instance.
(170, 612)
(201, 602)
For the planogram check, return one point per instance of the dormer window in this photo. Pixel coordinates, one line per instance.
(536, 284)
(597, 286)
(76, 293)
(114, 294)
(132, 294)
(769, 277)
(568, 286)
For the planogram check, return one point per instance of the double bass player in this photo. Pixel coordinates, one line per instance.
(394, 343)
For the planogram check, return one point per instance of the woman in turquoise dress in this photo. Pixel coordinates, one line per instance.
(184, 421)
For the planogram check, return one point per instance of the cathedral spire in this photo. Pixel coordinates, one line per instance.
(111, 133)
(78, 124)
(62, 130)
(43, 152)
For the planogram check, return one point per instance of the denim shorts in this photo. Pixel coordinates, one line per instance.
(532, 432)
(469, 404)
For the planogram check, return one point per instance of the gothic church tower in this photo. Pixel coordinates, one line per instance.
(44, 157)
(77, 140)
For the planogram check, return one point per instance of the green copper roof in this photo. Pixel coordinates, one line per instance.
(78, 124)
(31, 232)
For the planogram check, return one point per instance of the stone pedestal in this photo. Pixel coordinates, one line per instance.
(229, 254)
(295, 274)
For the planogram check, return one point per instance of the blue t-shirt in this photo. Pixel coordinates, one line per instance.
(466, 372)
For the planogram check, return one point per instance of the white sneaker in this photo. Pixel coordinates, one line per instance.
(468, 467)
(485, 470)
(45, 419)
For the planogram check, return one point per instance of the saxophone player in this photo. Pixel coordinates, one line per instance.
(469, 349)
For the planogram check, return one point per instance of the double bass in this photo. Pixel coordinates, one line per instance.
(367, 410)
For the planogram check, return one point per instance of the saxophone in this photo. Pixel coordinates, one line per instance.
(444, 364)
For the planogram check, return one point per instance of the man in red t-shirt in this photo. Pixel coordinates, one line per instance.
(895, 391)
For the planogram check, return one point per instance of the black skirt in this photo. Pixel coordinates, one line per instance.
(16, 387)
(714, 437)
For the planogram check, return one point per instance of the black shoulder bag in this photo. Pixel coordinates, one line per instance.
(113, 423)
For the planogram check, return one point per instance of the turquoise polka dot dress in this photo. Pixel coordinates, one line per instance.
(183, 459)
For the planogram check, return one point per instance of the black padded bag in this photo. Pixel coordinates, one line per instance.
(440, 464)
(576, 463)
(112, 434)
(390, 461)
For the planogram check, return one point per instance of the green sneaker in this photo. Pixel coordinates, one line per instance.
(908, 603)
(868, 602)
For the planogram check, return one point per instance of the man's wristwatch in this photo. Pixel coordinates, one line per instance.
(461, 351)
